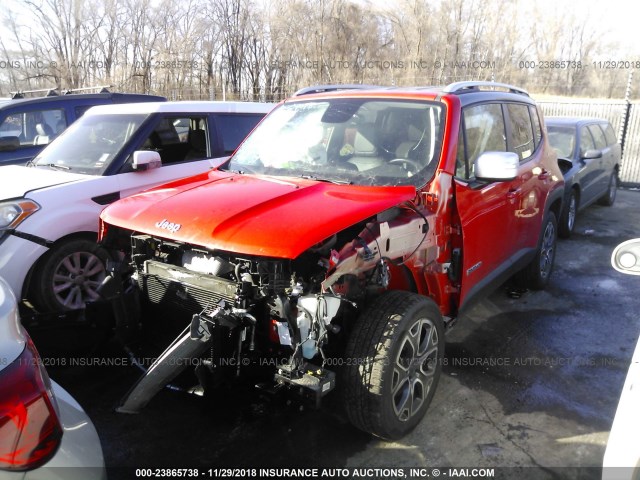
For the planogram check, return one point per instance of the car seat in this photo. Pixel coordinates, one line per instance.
(366, 154)
(43, 134)
(197, 140)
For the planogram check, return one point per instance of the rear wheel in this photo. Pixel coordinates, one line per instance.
(68, 276)
(536, 275)
(609, 198)
(568, 217)
(393, 362)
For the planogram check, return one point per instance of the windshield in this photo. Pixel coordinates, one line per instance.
(562, 139)
(359, 141)
(90, 144)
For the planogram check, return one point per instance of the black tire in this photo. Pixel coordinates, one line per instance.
(536, 275)
(393, 362)
(609, 198)
(568, 218)
(67, 276)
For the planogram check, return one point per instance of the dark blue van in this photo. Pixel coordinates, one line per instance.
(27, 125)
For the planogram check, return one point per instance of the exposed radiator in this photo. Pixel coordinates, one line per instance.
(176, 286)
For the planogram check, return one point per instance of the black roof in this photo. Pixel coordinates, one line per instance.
(81, 98)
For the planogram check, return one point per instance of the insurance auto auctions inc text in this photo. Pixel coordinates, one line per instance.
(374, 473)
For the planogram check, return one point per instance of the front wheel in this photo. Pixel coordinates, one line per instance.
(393, 363)
(68, 276)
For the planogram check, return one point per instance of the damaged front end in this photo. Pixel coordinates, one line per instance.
(293, 315)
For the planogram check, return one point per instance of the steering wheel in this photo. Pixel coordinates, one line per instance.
(416, 167)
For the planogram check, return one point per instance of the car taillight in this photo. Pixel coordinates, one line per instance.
(30, 431)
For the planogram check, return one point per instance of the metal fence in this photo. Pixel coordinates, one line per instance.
(614, 111)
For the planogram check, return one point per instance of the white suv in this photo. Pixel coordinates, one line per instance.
(49, 209)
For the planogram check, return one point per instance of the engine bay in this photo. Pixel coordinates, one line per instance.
(296, 312)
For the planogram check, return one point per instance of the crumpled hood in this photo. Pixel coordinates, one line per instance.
(253, 215)
(16, 181)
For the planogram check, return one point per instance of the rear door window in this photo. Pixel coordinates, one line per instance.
(521, 131)
(609, 134)
(535, 121)
(598, 136)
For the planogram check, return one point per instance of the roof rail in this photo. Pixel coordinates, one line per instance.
(334, 88)
(103, 89)
(458, 87)
(51, 92)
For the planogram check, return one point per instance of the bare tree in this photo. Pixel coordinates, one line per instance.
(106, 26)
(62, 41)
(267, 49)
(233, 17)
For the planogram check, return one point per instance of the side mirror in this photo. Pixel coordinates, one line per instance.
(146, 160)
(9, 144)
(593, 153)
(626, 257)
(497, 166)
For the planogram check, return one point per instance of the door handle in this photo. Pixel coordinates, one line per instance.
(513, 194)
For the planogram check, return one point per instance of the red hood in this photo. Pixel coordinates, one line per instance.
(253, 215)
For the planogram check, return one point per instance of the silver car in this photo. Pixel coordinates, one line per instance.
(44, 432)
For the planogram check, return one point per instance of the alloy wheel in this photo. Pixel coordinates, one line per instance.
(414, 368)
(76, 279)
(547, 250)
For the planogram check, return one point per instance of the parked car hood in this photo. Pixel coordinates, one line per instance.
(16, 181)
(254, 215)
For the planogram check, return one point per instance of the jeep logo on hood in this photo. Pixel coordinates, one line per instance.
(167, 225)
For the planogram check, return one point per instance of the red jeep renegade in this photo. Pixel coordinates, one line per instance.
(341, 238)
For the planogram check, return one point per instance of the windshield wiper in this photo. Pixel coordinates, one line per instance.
(242, 171)
(55, 166)
(328, 180)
